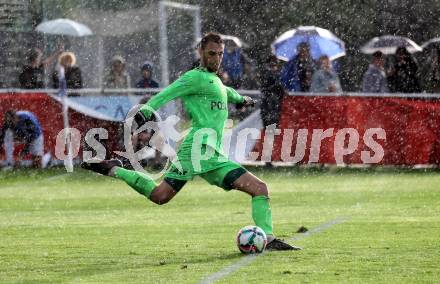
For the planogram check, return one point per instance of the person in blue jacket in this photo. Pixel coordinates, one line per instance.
(22, 127)
(297, 73)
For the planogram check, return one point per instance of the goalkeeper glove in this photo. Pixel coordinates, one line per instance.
(141, 119)
(247, 102)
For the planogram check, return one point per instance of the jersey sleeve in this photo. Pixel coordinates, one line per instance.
(233, 96)
(185, 85)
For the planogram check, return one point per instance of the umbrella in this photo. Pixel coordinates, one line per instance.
(228, 40)
(64, 27)
(388, 44)
(434, 42)
(321, 41)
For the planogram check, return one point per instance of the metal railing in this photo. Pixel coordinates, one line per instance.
(256, 93)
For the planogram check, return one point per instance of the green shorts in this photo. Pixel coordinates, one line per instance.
(223, 175)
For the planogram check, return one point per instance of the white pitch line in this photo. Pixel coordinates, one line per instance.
(250, 258)
(320, 228)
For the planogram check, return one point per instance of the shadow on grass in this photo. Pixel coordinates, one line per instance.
(114, 265)
(213, 258)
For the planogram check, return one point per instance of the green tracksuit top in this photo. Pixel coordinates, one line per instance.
(205, 100)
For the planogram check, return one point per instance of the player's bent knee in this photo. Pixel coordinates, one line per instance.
(160, 200)
(259, 189)
(262, 189)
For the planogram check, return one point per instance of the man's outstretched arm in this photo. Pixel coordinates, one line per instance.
(183, 86)
(233, 96)
(238, 100)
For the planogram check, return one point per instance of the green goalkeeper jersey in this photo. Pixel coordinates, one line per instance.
(205, 100)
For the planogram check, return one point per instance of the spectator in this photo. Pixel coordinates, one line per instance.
(272, 91)
(375, 80)
(22, 127)
(117, 78)
(32, 75)
(431, 72)
(296, 74)
(147, 75)
(232, 64)
(403, 76)
(325, 80)
(249, 80)
(72, 72)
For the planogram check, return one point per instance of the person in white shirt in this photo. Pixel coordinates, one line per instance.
(375, 80)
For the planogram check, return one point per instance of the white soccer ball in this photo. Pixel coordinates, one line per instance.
(251, 239)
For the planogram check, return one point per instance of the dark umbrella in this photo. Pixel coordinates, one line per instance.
(432, 43)
(388, 44)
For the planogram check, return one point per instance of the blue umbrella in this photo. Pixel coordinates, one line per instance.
(321, 41)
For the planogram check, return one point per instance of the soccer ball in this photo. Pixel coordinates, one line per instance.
(251, 239)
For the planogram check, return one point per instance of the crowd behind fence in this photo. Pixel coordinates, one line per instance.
(253, 93)
(401, 72)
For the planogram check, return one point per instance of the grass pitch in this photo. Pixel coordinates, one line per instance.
(83, 228)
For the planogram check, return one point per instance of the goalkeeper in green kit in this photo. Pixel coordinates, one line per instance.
(205, 99)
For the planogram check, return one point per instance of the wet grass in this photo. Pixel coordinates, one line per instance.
(83, 228)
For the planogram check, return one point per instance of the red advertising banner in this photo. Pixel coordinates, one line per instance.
(49, 113)
(314, 129)
(410, 127)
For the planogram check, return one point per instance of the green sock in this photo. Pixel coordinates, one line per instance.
(138, 181)
(262, 214)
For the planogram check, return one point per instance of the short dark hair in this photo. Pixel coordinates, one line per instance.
(211, 37)
(377, 55)
(304, 44)
(402, 50)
